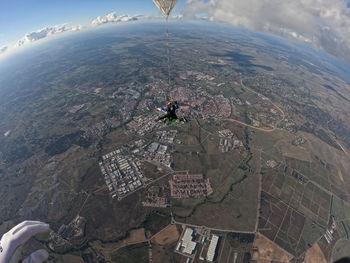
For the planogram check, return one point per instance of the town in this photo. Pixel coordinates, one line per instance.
(122, 173)
(122, 168)
(189, 185)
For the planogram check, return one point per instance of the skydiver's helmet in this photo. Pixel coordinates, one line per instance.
(169, 103)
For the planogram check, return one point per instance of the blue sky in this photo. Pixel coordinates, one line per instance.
(20, 16)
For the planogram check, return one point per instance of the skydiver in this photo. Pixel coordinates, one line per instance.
(170, 109)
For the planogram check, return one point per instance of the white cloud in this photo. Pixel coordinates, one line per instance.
(113, 18)
(58, 29)
(325, 24)
(46, 32)
(3, 49)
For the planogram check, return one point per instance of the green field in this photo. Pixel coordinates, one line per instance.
(132, 254)
(235, 210)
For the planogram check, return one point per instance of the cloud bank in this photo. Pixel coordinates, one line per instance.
(59, 29)
(324, 24)
(113, 18)
(46, 32)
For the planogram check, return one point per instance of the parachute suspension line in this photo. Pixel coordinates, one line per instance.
(168, 56)
(166, 6)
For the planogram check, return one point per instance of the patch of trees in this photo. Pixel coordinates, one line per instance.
(63, 143)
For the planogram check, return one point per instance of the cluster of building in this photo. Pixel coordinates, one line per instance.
(166, 137)
(329, 235)
(192, 240)
(237, 101)
(289, 125)
(189, 186)
(228, 142)
(299, 141)
(126, 93)
(68, 236)
(223, 107)
(160, 202)
(203, 105)
(126, 109)
(199, 76)
(226, 133)
(74, 229)
(227, 145)
(271, 163)
(122, 173)
(159, 154)
(101, 128)
(144, 124)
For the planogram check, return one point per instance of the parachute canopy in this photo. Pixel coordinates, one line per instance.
(165, 6)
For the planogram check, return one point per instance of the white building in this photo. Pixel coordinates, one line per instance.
(212, 248)
(187, 245)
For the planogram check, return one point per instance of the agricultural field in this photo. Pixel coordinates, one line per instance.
(167, 236)
(303, 195)
(285, 226)
(267, 251)
(236, 247)
(341, 211)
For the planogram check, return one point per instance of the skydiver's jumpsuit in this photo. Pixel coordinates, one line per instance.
(170, 112)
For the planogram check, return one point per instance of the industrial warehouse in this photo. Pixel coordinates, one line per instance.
(198, 241)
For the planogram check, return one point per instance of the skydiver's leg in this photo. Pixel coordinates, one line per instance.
(166, 116)
(173, 116)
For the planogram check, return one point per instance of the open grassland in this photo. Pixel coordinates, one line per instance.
(237, 209)
(314, 254)
(162, 254)
(132, 254)
(341, 250)
(269, 252)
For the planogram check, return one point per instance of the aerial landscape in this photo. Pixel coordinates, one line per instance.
(257, 171)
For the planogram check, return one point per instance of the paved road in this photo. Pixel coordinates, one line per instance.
(173, 221)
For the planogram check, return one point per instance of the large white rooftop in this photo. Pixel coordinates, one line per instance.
(187, 242)
(212, 248)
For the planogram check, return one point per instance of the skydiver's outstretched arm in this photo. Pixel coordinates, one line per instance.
(19, 235)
